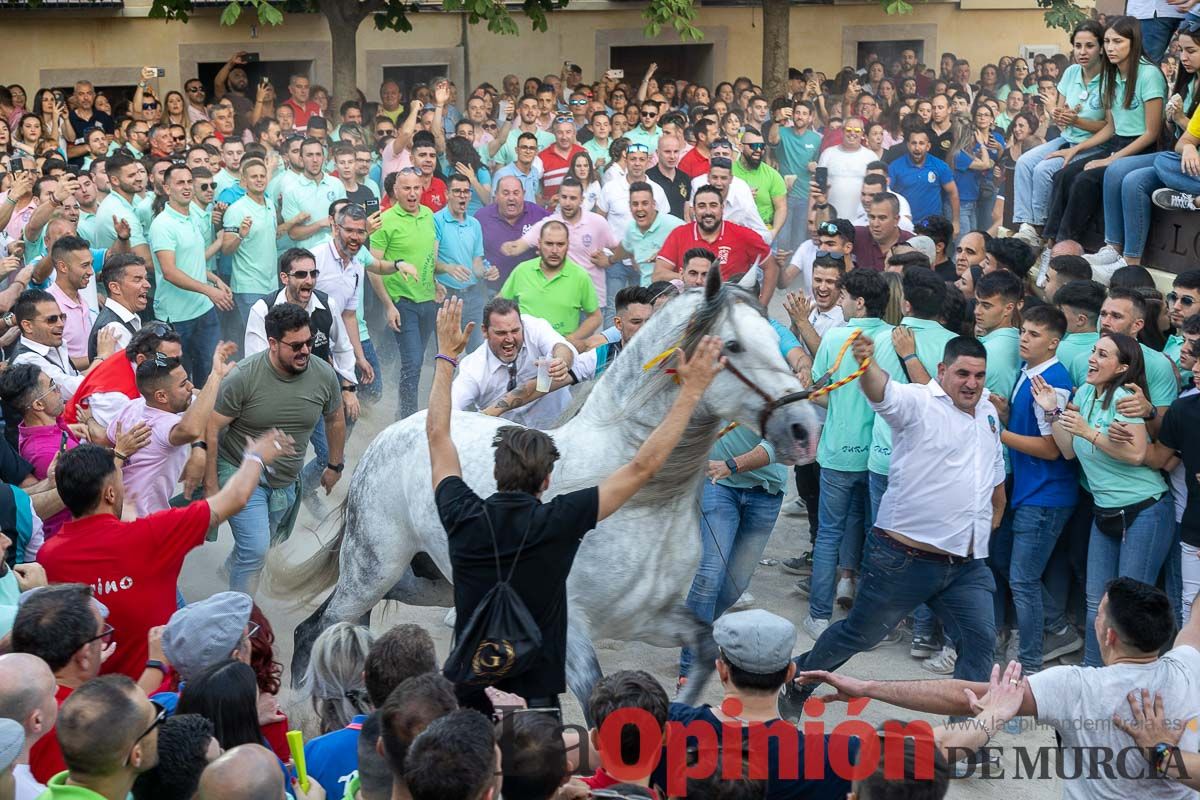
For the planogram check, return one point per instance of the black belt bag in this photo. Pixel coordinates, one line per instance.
(1114, 522)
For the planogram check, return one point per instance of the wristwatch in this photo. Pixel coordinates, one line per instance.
(351, 388)
(1152, 415)
(731, 463)
(336, 467)
(200, 445)
(156, 664)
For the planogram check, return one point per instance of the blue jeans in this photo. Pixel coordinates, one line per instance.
(1032, 180)
(966, 217)
(1128, 183)
(893, 583)
(877, 484)
(373, 391)
(253, 528)
(1169, 167)
(474, 298)
(1139, 554)
(1156, 35)
(199, 337)
(842, 516)
(417, 322)
(1020, 551)
(795, 229)
(310, 476)
(616, 278)
(735, 525)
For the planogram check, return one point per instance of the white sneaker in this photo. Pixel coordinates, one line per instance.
(814, 627)
(1103, 272)
(1043, 267)
(1105, 255)
(943, 663)
(745, 601)
(1029, 235)
(845, 593)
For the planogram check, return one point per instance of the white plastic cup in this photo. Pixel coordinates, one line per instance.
(543, 374)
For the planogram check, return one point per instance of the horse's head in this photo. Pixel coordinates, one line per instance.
(757, 388)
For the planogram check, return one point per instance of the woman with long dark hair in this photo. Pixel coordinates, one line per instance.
(1133, 526)
(1132, 93)
(226, 694)
(1078, 113)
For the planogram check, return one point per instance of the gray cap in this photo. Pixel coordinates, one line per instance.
(12, 739)
(757, 641)
(923, 244)
(206, 632)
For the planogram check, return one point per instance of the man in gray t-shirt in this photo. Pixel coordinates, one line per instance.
(1133, 623)
(282, 387)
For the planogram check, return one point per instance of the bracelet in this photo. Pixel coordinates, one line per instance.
(452, 362)
(908, 357)
(1095, 436)
(249, 456)
(200, 445)
(120, 455)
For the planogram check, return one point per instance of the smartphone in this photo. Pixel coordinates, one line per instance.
(16, 164)
(821, 176)
(58, 95)
(62, 442)
(161, 72)
(251, 57)
(618, 74)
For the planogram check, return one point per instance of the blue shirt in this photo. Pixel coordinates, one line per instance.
(333, 758)
(531, 181)
(921, 186)
(1037, 481)
(459, 242)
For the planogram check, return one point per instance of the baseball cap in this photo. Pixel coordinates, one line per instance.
(924, 245)
(12, 739)
(757, 641)
(205, 632)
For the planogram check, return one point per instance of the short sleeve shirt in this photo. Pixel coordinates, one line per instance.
(459, 242)
(560, 299)
(921, 185)
(1180, 431)
(151, 473)
(1114, 484)
(411, 238)
(176, 233)
(1151, 85)
(312, 197)
(766, 184)
(845, 442)
(103, 232)
(737, 247)
(645, 245)
(255, 268)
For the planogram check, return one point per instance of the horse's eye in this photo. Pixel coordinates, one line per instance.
(733, 346)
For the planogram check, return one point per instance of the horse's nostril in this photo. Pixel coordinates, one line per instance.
(799, 433)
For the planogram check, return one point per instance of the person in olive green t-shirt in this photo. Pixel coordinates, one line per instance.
(408, 236)
(555, 288)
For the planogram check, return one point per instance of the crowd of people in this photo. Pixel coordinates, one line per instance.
(190, 283)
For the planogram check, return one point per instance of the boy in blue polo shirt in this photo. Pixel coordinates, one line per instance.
(1045, 490)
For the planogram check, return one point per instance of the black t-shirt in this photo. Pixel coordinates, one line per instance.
(540, 578)
(365, 198)
(946, 271)
(1180, 431)
(678, 189)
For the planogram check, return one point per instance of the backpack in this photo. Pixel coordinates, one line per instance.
(501, 639)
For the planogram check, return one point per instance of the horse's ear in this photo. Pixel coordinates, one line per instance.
(712, 284)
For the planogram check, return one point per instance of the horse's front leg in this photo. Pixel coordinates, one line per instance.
(583, 666)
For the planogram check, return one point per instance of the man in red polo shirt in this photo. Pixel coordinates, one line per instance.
(302, 107)
(738, 248)
(556, 159)
(695, 161)
(133, 567)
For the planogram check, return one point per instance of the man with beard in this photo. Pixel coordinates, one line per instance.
(308, 196)
(674, 181)
(923, 178)
(882, 232)
(187, 294)
(230, 84)
(503, 149)
(284, 387)
(1125, 312)
(737, 199)
(508, 363)
(766, 184)
(124, 278)
(737, 248)
(126, 182)
(72, 259)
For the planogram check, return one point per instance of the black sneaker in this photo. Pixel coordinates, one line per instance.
(797, 566)
(924, 646)
(1173, 200)
(791, 701)
(804, 586)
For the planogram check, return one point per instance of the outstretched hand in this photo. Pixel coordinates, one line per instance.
(863, 348)
(847, 688)
(698, 371)
(1004, 696)
(452, 337)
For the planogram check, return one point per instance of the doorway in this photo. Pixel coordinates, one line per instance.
(889, 51)
(690, 62)
(278, 72)
(409, 76)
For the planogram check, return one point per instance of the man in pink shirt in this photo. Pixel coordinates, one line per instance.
(73, 271)
(176, 421)
(588, 233)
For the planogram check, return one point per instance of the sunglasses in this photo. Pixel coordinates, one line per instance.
(852, 129)
(192, 89)
(828, 228)
(564, 119)
(1185, 299)
(303, 274)
(379, 134)
(298, 346)
(163, 361)
(755, 146)
(159, 329)
(179, 138)
(160, 716)
(637, 147)
(408, 171)
(579, 102)
(204, 187)
(650, 114)
(490, 126)
(53, 319)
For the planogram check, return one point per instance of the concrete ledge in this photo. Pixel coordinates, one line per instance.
(1174, 241)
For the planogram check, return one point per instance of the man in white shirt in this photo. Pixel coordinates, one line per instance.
(27, 697)
(873, 184)
(847, 165)
(41, 343)
(739, 200)
(1089, 707)
(128, 288)
(513, 343)
(945, 495)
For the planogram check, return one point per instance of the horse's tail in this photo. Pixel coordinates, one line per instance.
(304, 581)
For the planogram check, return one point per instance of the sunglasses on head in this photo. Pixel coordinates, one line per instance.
(637, 147)
(1185, 299)
(159, 329)
(828, 228)
(563, 118)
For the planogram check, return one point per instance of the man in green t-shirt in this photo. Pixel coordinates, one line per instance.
(408, 236)
(555, 288)
(766, 184)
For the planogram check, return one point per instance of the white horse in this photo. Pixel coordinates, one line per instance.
(632, 573)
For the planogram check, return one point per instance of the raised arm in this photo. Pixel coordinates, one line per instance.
(236, 492)
(874, 380)
(696, 374)
(452, 341)
(193, 425)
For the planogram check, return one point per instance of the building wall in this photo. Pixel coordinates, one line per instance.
(110, 46)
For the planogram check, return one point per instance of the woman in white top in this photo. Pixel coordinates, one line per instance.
(581, 167)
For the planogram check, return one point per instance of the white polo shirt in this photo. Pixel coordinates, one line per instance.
(54, 361)
(945, 464)
(483, 378)
(339, 278)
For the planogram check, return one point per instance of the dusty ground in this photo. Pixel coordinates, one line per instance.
(771, 587)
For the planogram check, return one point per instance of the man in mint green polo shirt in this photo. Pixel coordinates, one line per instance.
(842, 451)
(187, 294)
(997, 296)
(1080, 302)
(644, 238)
(1183, 301)
(555, 288)
(407, 235)
(645, 128)
(311, 193)
(766, 184)
(130, 724)
(248, 232)
(126, 180)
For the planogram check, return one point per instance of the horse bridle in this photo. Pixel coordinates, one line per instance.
(772, 403)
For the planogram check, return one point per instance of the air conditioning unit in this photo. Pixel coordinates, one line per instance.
(1030, 51)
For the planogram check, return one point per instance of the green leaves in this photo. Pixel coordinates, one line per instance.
(679, 14)
(231, 14)
(896, 6)
(1064, 14)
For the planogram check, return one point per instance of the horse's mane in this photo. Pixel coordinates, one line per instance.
(626, 390)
